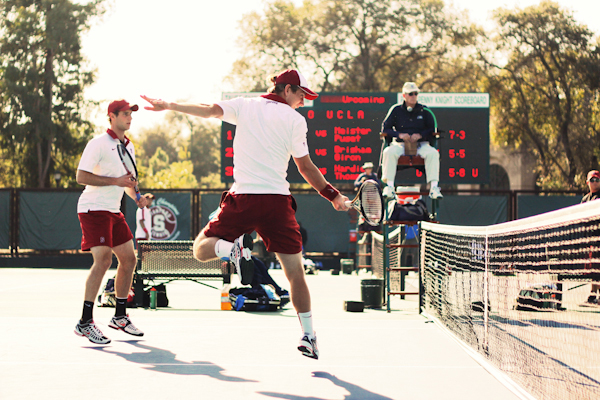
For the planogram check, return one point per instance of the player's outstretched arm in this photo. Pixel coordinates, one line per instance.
(315, 178)
(199, 110)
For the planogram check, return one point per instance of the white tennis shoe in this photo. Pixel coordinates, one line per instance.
(241, 257)
(308, 346)
(435, 193)
(92, 332)
(123, 323)
(388, 191)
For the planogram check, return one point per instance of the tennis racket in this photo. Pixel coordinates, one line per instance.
(369, 202)
(129, 165)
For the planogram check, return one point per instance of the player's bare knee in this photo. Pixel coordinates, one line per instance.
(101, 265)
(204, 247)
(198, 250)
(128, 264)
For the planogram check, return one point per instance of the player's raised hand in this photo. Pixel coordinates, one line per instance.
(155, 104)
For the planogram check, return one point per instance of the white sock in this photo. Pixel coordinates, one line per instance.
(223, 249)
(434, 184)
(306, 322)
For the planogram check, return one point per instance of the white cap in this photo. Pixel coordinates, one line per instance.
(368, 164)
(410, 87)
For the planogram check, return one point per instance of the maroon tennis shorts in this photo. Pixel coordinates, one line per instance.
(272, 216)
(103, 228)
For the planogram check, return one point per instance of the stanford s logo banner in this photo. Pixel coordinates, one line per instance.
(164, 220)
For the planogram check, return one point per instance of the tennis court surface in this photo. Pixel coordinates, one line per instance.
(192, 349)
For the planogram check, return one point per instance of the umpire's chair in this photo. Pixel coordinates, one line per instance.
(410, 159)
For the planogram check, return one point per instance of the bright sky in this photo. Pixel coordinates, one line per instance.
(182, 49)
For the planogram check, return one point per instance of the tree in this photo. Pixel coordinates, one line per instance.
(43, 75)
(355, 45)
(180, 139)
(202, 146)
(546, 92)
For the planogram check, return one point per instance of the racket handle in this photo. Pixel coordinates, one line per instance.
(138, 196)
(348, 203)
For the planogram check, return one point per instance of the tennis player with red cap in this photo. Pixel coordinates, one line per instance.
(103, 226)
(269, 131)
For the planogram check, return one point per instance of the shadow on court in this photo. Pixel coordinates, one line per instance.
(356, 392)
(165, 361)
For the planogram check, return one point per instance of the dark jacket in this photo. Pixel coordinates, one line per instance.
(400, 120)
(590, 196)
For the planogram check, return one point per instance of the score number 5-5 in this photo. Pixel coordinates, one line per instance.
(460, 135)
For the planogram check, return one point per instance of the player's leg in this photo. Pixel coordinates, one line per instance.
(204, 247)
(102, 256)
(432, 168)
(227, 235)
(86, 327)
(300, 296)
(125, 269)
(239, 252)
(122, 241)
(389, 164)
(294, 272)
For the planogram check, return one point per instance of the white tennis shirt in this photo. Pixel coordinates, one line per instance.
(100, 157)
(268, 131)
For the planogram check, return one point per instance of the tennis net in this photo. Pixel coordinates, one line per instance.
(517, 293)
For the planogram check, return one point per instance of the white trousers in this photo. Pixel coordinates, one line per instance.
(396, 149)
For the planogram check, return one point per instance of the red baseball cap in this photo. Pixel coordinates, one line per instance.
(294, 77)
(593, 174)
(121, 105)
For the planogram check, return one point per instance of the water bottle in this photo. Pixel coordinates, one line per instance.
(153, 294)
(225, 303)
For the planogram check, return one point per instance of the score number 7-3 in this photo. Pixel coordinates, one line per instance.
(460, 136)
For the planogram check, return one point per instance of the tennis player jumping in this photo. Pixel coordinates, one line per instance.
(103, 226)
(268, 132)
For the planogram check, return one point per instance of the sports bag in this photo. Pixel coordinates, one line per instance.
(416, 211)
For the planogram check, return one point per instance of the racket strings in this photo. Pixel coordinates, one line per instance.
(371, 203)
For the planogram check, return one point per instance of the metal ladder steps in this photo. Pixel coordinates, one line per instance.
(411, 223)
(413, 269)
(402, 293)
(402, 246)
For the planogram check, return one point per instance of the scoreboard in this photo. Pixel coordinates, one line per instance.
(343, 134)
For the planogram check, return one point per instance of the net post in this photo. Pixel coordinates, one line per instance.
(486, 297)
(138, 281)
(386, 272)
(421, 267)
(227, 275)
(401, 238)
